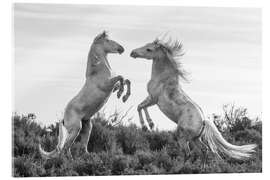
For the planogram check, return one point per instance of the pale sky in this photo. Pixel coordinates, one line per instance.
(222, 45)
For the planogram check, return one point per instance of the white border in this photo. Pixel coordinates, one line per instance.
(7, 65)
(205, 3)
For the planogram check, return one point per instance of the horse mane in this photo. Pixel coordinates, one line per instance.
(174, 51)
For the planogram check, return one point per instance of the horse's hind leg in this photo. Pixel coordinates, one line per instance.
(86, 132)
(200, 147)
(183, 143)
(186, 149)
(73, 132)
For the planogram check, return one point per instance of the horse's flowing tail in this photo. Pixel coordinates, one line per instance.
(219, 145)
(61, 142)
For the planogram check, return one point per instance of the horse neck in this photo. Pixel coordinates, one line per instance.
(161, 68)
(97, 60)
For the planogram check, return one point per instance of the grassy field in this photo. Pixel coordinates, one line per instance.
(118, 149)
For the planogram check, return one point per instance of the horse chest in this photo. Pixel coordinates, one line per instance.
(153, 88)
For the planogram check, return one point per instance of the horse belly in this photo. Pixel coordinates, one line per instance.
(94, 101)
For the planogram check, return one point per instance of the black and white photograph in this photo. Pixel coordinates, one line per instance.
(103, 89)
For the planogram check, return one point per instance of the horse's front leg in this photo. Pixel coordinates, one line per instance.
(126, 96)
(148, 118)
(117, 83)
(143, 105)
(117, 87)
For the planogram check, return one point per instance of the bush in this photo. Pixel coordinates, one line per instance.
(249, 136)
(102, 138)
(130, 139)
(163, 160)
(90, 164)
(158, 140)
(22, 167)
(120, 149)
(144, 157)
(120, 164)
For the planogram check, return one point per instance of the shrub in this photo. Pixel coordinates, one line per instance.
(130, 139)
(22, 167)
(144, 157)
(120, 164)
(153, 169)
(102, 138)
(120, 149)
(157, 140)
(90, 164)
(249, 136)
(174, 150)
(163, 160)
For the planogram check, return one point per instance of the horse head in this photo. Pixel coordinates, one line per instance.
(107, 45)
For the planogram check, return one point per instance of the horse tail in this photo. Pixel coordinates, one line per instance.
(218, 145)
(61, 142)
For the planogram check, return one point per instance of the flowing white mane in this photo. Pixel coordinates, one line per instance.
(174, 51)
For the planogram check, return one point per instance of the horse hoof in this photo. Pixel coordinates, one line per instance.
(124, 99)
(119, 93)
(151, 125)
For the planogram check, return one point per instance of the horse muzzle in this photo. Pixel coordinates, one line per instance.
(134, 54)
(120, 49)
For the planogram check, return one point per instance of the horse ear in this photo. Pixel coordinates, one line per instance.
(101, 36)
(156, 41)
(104, 34)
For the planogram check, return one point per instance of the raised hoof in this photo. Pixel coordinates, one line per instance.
(125, 97)
(119, 93)
(151, 125)
(144, 128)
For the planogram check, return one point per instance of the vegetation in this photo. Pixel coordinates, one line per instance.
(117, 149)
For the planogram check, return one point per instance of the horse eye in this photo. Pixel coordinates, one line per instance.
(148, 50)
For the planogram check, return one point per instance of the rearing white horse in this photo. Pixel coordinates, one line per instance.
(100, 82)
(166, 92)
